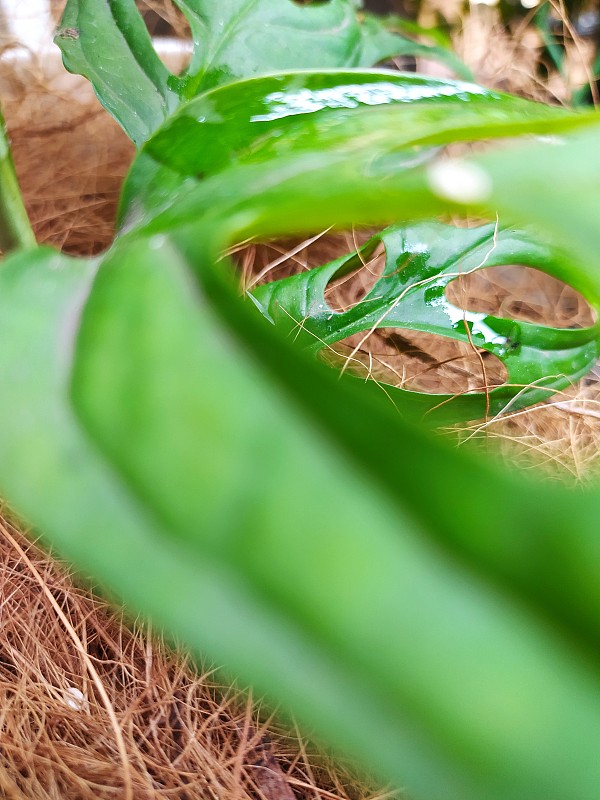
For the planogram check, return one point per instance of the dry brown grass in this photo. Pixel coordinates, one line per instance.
(92, 707)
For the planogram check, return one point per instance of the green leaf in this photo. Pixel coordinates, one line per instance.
(555, 184)
(373, 124)
(165, 437)
(108, 43)
(344, 141)
(421, 260)
(265, 118)
(330, 139)
(236, 39)
(173, 469)
(313, 191)
(386, 38)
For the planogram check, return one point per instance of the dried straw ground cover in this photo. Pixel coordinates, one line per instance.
(91, 707)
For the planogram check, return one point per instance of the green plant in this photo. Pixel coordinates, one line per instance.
(421, 608)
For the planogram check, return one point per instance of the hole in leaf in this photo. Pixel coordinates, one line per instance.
(522, 293)
(403, 63)
(346, 291)
(164, 19)
(271, 261)
(170, 30)
(421, 362)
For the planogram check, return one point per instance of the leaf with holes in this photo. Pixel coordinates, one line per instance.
(253, 139)
(420, 262)
(107, 42)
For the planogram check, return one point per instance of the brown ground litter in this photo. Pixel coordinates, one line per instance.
(94, 708)
(90, 706)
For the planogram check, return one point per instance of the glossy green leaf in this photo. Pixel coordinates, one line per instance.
(312, 192)
(268, 117)
(352, 136)
(232, 536)
(391, 30)
(421, 260)
(236, 39)
(371, 124)
(107, 42)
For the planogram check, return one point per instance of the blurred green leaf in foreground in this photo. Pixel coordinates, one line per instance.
(419, 607)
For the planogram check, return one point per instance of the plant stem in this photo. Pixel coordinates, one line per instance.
(15, 229)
